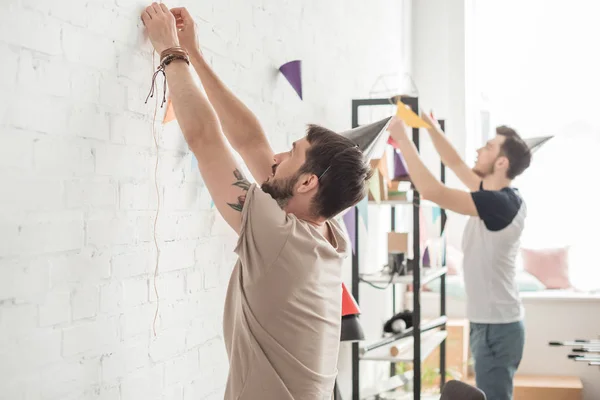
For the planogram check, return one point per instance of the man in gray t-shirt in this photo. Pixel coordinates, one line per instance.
(490, 243)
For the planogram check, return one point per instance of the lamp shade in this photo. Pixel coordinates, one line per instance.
(536, 142)
(369, 137)
(351, 330)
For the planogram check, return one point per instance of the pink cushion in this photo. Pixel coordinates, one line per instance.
(549, 266)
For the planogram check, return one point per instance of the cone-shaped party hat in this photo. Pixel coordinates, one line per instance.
(536, 142)
(369, 137)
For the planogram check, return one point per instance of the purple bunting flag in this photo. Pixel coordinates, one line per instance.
(293, 73)
(350, 222)
(400, 169)
(426, 260)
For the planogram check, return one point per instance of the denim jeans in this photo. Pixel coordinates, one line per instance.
(497, 350)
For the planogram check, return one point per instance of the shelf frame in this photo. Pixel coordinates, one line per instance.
(417, 282)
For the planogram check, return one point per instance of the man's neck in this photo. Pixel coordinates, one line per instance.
(495, 182)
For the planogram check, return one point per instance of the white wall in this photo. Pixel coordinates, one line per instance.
(77, 159)
(439, 66)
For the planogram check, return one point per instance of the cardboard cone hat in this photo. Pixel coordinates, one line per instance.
(369, 137)
(536, 142)
(351, 329)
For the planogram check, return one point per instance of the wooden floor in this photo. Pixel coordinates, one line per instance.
(532, 387)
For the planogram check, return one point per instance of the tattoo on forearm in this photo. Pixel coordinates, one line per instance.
(242, 183)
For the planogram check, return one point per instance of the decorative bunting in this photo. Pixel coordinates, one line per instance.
(437, 213)
(400, 168)
(169, 113)
(363, 211)
(426, 260)
(292, 71)
(350, 222)
(375, 186)
(406, 114)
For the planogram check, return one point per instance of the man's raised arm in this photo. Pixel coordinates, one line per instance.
(450, 156)
(240, 125)
(198, 121)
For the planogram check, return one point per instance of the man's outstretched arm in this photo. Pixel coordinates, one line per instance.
(198, 122)
(450, 156)
(430, 188)
(240, 125)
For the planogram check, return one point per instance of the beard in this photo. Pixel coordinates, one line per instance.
(281, 190)
(484, 171)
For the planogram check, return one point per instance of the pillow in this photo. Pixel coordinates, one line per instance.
(549, 266)
(528, 282)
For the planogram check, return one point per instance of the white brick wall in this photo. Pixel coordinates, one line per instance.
(78, 196)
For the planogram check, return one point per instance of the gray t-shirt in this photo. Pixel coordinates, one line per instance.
(490, 245)
(283, 309)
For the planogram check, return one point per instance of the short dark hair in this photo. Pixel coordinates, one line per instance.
(516, 150)
(342, 170)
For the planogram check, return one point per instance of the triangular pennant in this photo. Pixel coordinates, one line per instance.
(363, 211)
(400, 168)
(375, 187)
(169, 113)
(369, 137)
(293, 73)
(350, 222)
(406, 114)
(437, 212)
(426, 260)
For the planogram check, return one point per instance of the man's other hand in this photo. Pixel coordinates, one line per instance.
(186, 29)
(161, 27)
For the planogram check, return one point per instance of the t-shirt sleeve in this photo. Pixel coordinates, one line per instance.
(264, 231)
(497, 208)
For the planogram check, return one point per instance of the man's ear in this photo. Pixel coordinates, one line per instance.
(307, 182)
(502, 162)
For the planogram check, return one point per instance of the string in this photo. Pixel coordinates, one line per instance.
(154, 135)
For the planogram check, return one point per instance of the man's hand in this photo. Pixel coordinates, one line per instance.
(161, 27)
(398, 129)
(431, 121)
(186, 29)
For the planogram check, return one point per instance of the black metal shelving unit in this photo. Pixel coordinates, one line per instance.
(418, 328)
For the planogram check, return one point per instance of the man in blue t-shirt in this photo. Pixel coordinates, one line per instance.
(490, 243)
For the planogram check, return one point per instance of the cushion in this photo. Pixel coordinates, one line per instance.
(549, 266)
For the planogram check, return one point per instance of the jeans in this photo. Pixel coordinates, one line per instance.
(497, 350)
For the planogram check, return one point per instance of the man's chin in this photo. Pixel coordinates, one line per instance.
(478, 173)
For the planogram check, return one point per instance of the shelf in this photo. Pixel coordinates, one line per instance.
(426, 276)
(408, 202)
(428, 326)
(429, 342)
(392, 383)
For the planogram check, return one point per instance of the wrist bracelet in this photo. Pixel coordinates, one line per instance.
(166, 57)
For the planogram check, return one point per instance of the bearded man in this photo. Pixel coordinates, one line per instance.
(490, 243)
(283, 308)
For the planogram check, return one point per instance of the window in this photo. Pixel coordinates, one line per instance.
(535, 67)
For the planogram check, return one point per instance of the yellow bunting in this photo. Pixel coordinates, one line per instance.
(406, 114)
